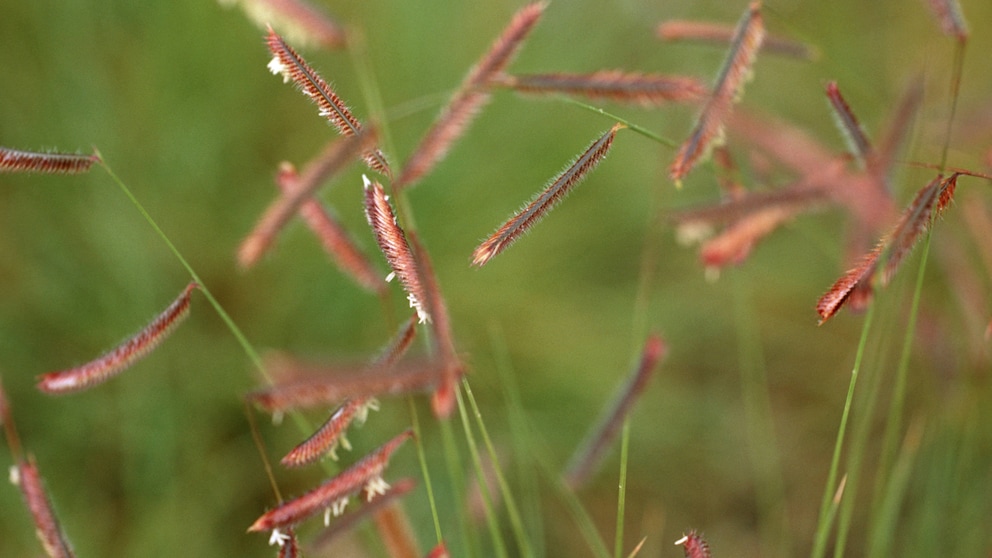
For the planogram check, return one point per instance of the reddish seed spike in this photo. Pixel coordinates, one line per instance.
(296, 192)
(365, 474)
(856, 284)
(950, 17)
(313, 386)
(544, 201)
(327, 438)
(393, 243)
(471, 96)
(682, 30)
(849, 126)
(728, 87)
(694, 545)
(735, 243)
(592, 451)
(646, 90)
(12, 160)
(293, 67)
(126, 354)
(25, 476)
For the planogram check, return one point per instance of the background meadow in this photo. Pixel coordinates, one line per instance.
(733, 436)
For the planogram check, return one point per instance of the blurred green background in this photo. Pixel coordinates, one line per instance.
(733, 436)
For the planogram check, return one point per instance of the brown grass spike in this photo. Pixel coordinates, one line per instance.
(849, 125)
(295, 192)
(327, 438)
(25, 476)
(293, 67)
(591, 452)
(469, 98)
(12, 160)
(365, 475)
(450, 366)
(717, 33)
(915, 220)
(647, 90)
(728, 87)
(124, 355)
(392, 241)
(543, 202)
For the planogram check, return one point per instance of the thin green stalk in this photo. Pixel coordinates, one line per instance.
(885, 521)
(415, 421)
(622, 491)
(633, 127)
(859, 443)
(585, 524)
(521, 440)
(516, 524)
(456, 477)
(762, 443)
(487, 503)
(826, 515)
(893, 423)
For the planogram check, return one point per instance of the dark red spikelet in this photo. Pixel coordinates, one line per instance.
(12, 160)
(694, 545)
(25, 476)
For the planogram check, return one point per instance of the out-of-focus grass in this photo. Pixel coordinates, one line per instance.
(177, 98)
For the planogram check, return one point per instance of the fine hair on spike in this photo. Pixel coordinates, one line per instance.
(470, 97)
(365, 475)
(646, 90)
(294, 68)
(12, 161)
(544, 201)
(726, 91)
(124, 355)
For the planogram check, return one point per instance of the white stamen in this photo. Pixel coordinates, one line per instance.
(374, 487)
(278, 538)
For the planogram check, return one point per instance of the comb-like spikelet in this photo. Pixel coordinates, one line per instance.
(694, 545)
(12, 160)
(849, 125)
(470, 97)
(613, 85)
(365, 475)
(544, 201)
(294, 68)
(729, 84)
(394, 246)
(124, 355)
(857, 284)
